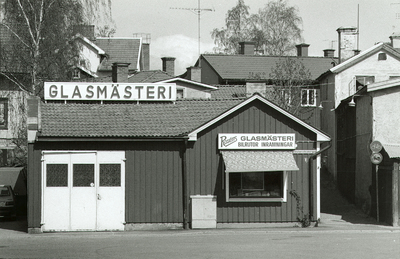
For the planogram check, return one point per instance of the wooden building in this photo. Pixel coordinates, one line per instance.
(173, 163)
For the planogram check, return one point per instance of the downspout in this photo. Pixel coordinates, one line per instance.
(184, 185)
(311, 180)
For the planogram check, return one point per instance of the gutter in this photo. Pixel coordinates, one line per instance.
(311, 180)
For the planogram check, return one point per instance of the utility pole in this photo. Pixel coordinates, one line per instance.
(198, 12)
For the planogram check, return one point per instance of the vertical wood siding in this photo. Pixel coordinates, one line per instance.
(206, 166)
(154, 183)
(34, 187)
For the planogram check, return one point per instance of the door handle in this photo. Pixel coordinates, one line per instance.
(98, 197)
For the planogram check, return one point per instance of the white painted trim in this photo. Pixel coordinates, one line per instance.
(90, 43)
(383, 85)
(320, 135)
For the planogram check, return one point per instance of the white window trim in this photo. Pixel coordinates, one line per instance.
(283, 199)
(308, 101)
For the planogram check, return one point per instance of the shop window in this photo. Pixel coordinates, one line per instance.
(110, 175)
(257, 186)
(308, 97)
(3, 113)
(83, 175)
(57, 175)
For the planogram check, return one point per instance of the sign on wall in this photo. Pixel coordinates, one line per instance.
(109, 91)
(256, 141)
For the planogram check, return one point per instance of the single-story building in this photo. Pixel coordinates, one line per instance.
(131, 163)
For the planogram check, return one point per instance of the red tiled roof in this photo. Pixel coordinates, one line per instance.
(129, 119)
(124, 50)
(150, 76)
(247, 66)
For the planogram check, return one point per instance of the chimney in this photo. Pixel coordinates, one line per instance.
(145, 56)
(395, 40)
(347, 42)
(33, 121)
(329, 53)
(246, 47)
(120, 72)
(168, 65)
(302, 50)
(85, 30)
(194, 74)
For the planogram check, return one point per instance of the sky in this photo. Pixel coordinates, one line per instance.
(174, 32)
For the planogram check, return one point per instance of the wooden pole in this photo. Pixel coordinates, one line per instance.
(395, 194)
(377, 192)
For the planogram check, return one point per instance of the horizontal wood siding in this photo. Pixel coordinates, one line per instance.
(206, 166)
(154, 183)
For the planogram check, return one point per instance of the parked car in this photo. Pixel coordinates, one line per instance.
(7, 202)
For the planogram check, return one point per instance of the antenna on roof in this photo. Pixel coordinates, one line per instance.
(198, 12)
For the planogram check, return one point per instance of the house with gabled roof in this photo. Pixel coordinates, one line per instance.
(180, 163)
(379, 63)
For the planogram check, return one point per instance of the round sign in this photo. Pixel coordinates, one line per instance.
(375, 146)
(376, 158)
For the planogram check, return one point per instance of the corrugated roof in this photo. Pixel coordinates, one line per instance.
(129, 119)
(248, 67)
(123, 50)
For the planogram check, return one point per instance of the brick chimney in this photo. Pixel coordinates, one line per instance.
(85, 30)
(329, 53)
(347, 42)
(246, 47)
(302, 50)
(194, 73)
(145, 56)
(168, 65)
(120, 72)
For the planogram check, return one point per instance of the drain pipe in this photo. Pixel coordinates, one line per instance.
(311, 180)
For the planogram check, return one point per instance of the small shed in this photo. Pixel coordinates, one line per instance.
(125, 166)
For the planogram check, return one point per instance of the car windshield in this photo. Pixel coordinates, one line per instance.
(4, 191)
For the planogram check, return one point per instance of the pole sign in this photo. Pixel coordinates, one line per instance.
(256, 141)
(79, 91)
(376, 157)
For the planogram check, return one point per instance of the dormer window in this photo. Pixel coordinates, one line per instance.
(308, 97)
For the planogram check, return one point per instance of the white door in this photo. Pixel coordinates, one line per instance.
(111, 191)
(83, 191)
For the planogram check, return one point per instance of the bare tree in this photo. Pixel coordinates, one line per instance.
(274, 29)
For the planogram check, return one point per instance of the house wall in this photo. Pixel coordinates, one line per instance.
(192, 91)
(208, 74)
(371, 66)
(90, 56)
(328, 121)
(363, 174)
(206, 167)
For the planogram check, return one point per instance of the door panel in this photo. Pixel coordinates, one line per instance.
(111, 191)
(56, 193)
(83, 192)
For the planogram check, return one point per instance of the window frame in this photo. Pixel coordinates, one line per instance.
(308, 90)
(4, 101)
(257, 199)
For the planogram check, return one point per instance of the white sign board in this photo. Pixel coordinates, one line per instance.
(256, 141)
(109, 91)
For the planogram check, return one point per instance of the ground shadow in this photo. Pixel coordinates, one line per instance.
(332, 202)
(20, 224)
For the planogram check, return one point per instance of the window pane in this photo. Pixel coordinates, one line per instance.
(110, 175)
(253, 185)
(304, 97)
(83, 175)
(57, 175)
(311, 97)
